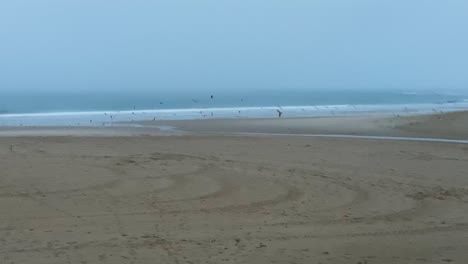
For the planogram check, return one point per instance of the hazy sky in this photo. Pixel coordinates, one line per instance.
(233, 44)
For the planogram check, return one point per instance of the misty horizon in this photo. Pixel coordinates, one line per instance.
(216, 46)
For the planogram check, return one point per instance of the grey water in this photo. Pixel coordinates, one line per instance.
(56, 102)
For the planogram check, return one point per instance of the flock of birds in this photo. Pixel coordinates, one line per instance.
(279, 111)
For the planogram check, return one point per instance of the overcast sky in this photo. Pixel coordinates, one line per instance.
(233, 44)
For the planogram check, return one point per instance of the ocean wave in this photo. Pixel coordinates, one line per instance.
(109, 118)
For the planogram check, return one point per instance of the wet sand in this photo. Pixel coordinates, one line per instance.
(137, 197)
(452, 125)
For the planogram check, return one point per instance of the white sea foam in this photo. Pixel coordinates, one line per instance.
(108, 118)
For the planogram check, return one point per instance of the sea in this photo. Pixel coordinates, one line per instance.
(111, 108)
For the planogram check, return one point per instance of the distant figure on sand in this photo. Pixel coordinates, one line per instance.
(279, 113)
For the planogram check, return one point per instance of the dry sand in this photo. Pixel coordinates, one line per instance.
(235, 199)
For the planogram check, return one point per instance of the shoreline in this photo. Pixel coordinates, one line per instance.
(107, 118)
(453, 125)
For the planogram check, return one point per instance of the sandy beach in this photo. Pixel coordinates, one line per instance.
(141, 195)
(451, 125)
